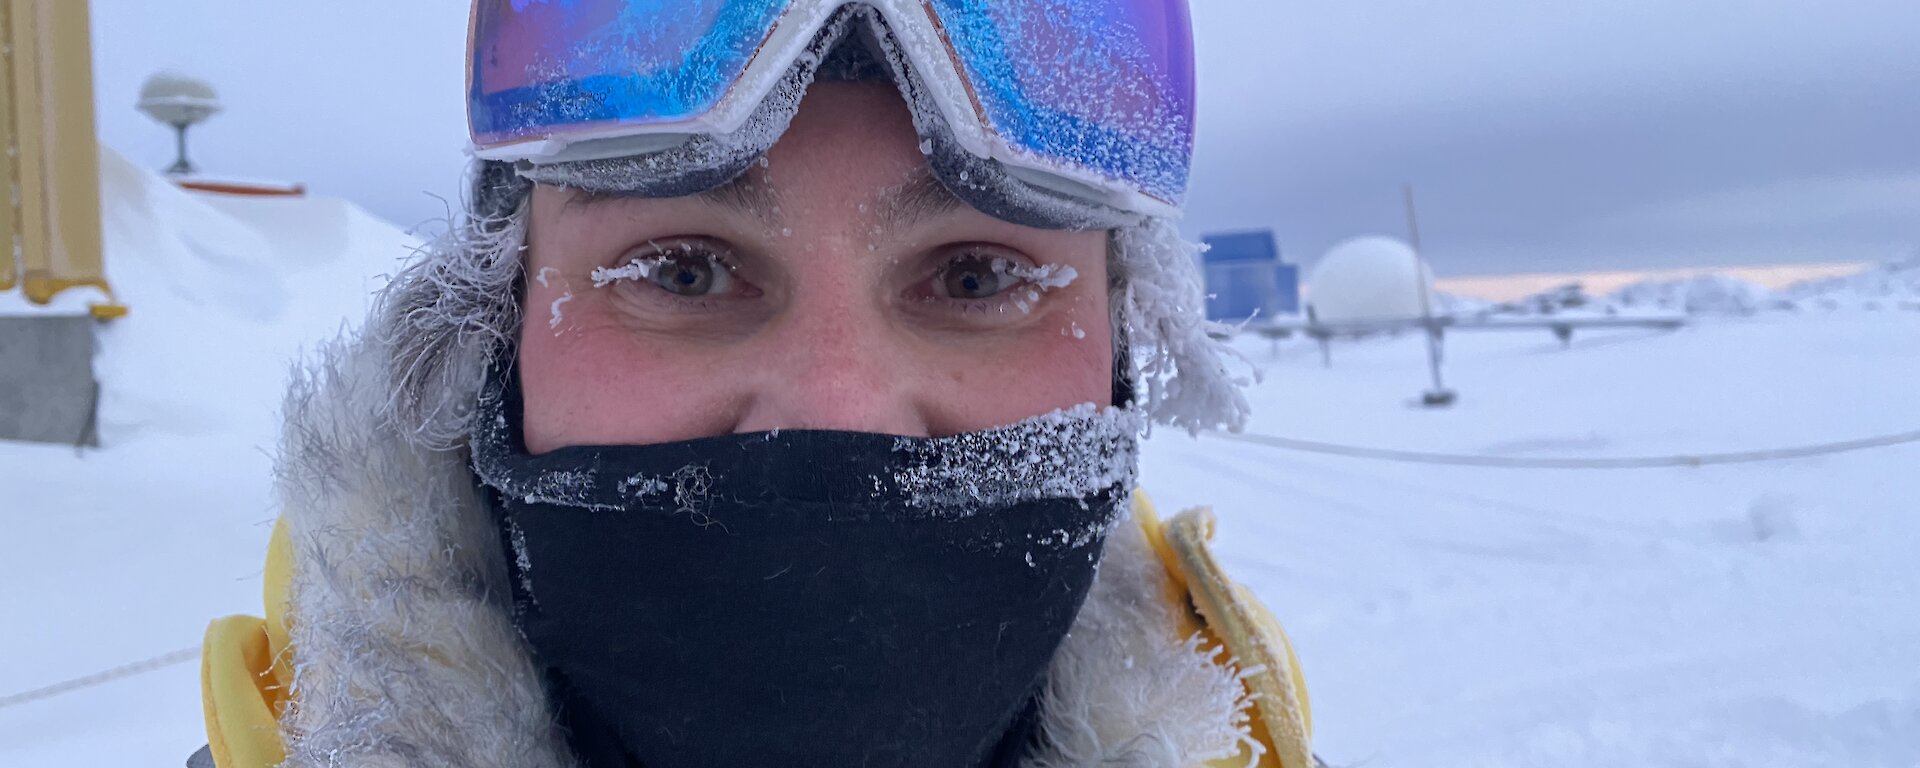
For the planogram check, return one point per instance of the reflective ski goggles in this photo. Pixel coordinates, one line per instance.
(1091, 99)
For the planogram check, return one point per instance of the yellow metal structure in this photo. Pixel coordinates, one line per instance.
(52, 224)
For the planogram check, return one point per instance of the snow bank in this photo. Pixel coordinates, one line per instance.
(1892, 285)
(224, 291)
(1698, 295)
(1458, 305)
(1567, 299)
(73, 301)
(127, 552)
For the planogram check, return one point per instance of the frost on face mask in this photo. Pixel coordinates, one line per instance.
(1055, 483)
(1071, 453)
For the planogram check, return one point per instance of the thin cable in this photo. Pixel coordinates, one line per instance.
(1624, 462)
(142, 667)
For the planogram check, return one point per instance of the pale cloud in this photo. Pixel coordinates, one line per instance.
(1807, 204)
(1534, 131)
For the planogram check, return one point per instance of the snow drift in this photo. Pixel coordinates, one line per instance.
(1698, 295)
(224, 291)
(1894, 285)
(126, 552)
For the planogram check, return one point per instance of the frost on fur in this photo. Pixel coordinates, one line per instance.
(1124, 669)
(404, 652)
(445, 315)
(1159, 304)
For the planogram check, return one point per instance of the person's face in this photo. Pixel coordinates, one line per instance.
(837, 286)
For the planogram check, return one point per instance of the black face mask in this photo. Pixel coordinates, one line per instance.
(803, 597)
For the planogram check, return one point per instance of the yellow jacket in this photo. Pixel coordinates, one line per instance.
(247, 675)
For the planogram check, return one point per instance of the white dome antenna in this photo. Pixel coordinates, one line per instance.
(182, 102)
(1370, 279)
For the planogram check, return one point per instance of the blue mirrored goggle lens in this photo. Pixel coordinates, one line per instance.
(1100, 86)
(547, 67)
(1105, 85)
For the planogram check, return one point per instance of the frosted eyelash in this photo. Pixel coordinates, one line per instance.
(1042, 278)
(641, 268)
(637, 269)
(1037, 280)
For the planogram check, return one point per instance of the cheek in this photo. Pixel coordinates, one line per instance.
(1064, 360)
(589, 381)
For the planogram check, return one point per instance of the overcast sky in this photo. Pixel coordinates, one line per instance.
(1539, 136)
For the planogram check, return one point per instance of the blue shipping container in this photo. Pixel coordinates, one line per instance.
(1245, 277)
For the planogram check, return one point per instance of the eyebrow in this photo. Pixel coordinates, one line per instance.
(923, 197)
(918, 200)
(747, 195)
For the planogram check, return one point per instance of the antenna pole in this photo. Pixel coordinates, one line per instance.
(1439, 396)
(180, 167)
(1413, 220)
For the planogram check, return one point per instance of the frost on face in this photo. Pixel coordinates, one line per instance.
(557, 317)
(1071, 453)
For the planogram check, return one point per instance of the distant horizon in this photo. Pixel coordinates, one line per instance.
(1507, 287)
(1474, 283)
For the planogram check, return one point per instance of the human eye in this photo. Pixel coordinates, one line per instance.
(973, 276)
(978, 278)
(689, 270)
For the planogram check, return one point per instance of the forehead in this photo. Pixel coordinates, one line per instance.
(918, 198)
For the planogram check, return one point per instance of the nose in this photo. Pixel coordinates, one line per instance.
(834, 366)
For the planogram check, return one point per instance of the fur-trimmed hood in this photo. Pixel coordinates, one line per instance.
(404, 652)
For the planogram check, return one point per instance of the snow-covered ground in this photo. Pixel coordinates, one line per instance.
(1758, 615)
(121, 554)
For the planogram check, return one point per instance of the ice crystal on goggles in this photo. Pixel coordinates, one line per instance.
(1098, 92)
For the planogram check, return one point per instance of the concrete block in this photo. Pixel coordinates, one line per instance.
(47, 390)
